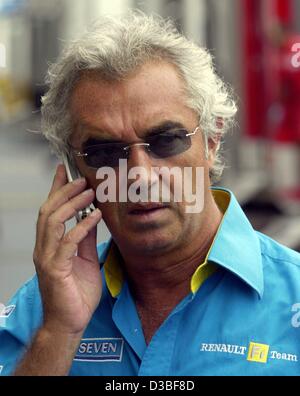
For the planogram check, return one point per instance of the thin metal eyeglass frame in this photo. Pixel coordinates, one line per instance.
(126, 148)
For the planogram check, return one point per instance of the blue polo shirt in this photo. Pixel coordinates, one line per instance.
(241, 317)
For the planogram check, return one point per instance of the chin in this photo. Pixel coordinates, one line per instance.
(151, 237)
(150, 243)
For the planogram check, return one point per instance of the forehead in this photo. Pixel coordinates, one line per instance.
(153, 94)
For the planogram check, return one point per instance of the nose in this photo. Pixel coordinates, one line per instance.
(139, 157)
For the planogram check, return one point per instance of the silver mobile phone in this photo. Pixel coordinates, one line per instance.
(73, 174)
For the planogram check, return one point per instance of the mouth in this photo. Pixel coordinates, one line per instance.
(147, 211)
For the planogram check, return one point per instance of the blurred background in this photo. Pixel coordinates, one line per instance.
(256, 46)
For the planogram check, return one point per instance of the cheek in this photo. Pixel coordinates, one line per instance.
(110, 210)
(110, 214)
(197, 154)
(85, 171)
(92, 182)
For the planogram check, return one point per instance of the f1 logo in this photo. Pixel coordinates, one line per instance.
(258, 352)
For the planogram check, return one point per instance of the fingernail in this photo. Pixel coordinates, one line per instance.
(81, 180)
(58, 167)
(88, 192)
(95, 213)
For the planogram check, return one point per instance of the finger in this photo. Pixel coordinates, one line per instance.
(57, 199)
(87, 249)
(74, 237)
(71, 207)
(59, 180)
(62, 195)
(54, 228)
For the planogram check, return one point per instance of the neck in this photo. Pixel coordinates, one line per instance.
(164, 280)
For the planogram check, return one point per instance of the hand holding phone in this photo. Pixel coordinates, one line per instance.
(66, 261)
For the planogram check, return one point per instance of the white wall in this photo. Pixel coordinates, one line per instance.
(21, 43)
(194, 20)
(191, 13)
(79, 13)
(5, 40)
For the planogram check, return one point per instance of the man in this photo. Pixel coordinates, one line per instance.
(180, 293)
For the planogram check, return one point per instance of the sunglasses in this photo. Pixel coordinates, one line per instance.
(162, 145)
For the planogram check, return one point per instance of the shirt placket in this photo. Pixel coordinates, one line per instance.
(158, 356)
(126, 319)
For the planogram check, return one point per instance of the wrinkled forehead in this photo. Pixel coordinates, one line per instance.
(125, 108)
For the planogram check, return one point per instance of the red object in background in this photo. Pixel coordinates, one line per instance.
(254, 91)
(269, 78)
(283, 11)
(288, 129)
(291, 194)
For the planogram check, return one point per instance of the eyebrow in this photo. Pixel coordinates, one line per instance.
(157, 129)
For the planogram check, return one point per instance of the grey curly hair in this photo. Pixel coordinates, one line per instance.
(116, 46)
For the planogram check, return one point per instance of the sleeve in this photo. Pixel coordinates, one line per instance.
(19, 321)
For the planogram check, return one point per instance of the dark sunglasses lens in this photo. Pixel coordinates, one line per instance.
(104, 155)
(169, 143)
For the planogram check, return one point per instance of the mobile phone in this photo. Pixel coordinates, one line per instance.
(73, 174)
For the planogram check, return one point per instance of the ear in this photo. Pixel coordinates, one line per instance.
(213, 147)
(214, 144)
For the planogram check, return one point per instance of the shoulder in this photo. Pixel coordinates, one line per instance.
(273, 251)
(25, 312)
(20, 320)
(281, 269)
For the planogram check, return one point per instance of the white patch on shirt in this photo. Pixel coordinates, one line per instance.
(6, 311)
(100, 350)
